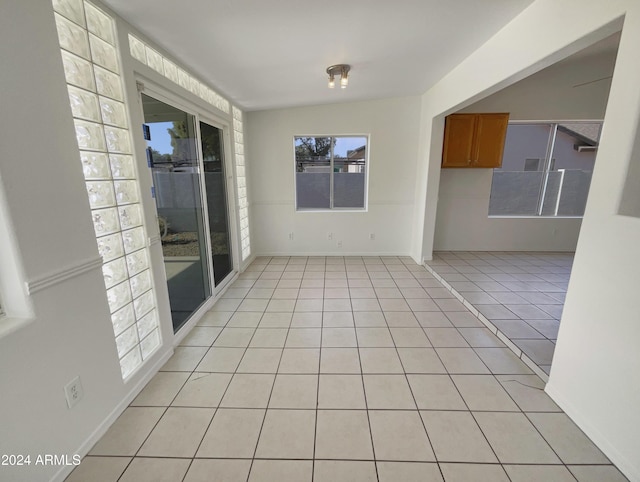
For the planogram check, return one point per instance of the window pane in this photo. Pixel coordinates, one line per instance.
(516, 186)
(572, 161)
(313, 172)
(349, 171)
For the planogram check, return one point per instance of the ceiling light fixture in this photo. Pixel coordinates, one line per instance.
(343, 71)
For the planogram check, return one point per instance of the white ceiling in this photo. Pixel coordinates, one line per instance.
(274, 53)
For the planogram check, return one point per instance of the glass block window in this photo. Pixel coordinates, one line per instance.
(241, 183)
(165, 67)
(92, 70)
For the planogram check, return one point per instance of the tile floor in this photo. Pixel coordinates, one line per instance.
(343, 369)
(521, 293)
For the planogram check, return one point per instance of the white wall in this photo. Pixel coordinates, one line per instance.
(70, 333)
(393, 128)
(594, 374)
(462, 221)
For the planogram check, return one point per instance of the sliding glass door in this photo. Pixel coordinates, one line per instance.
(187, 163)
(212, 141)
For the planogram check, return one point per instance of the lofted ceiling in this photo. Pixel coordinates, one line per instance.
(270, 54)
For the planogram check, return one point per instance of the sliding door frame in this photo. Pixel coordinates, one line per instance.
(169, 96)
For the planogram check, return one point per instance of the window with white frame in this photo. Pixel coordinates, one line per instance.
(546, 169)
(331, 172)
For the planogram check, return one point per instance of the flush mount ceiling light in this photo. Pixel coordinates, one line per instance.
(341, 70)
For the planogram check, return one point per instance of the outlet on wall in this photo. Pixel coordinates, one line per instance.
(73, 391)
(290, 236)
(330, 236)
(339, 244)
(372, 236)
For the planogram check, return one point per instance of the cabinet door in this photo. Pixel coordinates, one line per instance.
(458, 140)
(491, 130)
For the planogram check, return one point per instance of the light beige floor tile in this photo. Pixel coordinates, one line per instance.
(232, 434)
(340, 360)
(226, 305)
(423, 304)
(450, 305)
(234, 337)
(260, 360)
(380, 360)
(178, 433)
(344, 471)
(221, 360)
(281, 306)
(401, 319)
(420, 360)
(128, 432)
(161, 390)
(338, 337)
(473, 472)
(300, 360)
(410, 338)
(597, 473)
(483, 392)
(334, 304)
(294, 391)
(343, 434)
(215, 318)
(566, 439)
(463, 319)
(392, 304)
(503, 361)
(372, 319)
(536, 473)
(461, 360)
(285, 294)
(201, 336)
(275, 320)
(258, 305)
(540, 351)
(269, 338)
(456, 437)
(399, 435)
(203, 470)
(103, 469)
(446, 337)
(259, 293)
(307, 320)
(528, 393)
(287, 434)
(514, 439)
(435, 392)
(337, 319)
(388, 392)
(414, 292)
(155, 470)
(311, 293)
(248, 391)
(184, 359)
(362, 304)
(304, 338)
(374, 337)
(433, 319)
(281, 471)
(244, 320)
(341, 391)
(408, 472)
(203, 390)
(362, 293)
(336, 292)
(481, 338)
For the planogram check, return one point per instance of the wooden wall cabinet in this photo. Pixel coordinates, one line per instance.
(474, 140)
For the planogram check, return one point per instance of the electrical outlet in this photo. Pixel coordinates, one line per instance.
(372, 236)
(330, 236)
(339, 244)
(73, 391)
(290, 236)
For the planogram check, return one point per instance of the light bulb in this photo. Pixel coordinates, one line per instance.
(332, 81)
(344, 81)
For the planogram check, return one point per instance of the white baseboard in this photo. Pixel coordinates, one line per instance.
(629, 468)
(101, 429)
